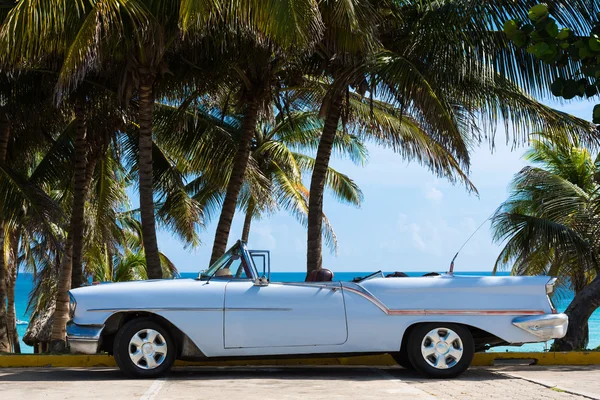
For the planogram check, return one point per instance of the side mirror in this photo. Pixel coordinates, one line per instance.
(262, 281)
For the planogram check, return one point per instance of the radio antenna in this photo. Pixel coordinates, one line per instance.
(451, 271)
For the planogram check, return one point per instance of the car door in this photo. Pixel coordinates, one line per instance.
(284, 314)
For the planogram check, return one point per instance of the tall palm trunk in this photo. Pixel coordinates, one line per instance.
(579, 311)
(89, 175)
(248, 222)
(240, 163)
(79, 196)
(314, 244)
(11, 314)
(4, 338)
(12, 281)
(146, 104)
(61, 312)
(74, 235)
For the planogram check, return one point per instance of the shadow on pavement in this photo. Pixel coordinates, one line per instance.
(229, 373)
(59, 374)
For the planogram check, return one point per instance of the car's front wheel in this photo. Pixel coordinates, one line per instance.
(440, 350)
(144, 349)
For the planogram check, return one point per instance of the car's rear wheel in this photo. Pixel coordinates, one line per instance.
(144, 349)
(440, 350)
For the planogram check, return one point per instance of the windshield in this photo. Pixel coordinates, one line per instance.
(232, 265)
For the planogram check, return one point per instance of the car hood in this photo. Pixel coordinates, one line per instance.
(128, 287)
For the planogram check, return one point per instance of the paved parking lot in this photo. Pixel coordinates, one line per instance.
(251, 383)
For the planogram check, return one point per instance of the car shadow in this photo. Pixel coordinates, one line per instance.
(286, 373)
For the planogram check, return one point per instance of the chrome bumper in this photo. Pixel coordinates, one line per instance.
(545, 327)
(83, 339)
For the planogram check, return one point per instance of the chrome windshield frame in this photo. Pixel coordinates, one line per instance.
(248, 260)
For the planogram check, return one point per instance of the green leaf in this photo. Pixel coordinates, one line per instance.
(528, 28)
(557, 87)
(519, 39)
(597, 114)
(570, 89)
(536, 36)
(538, 12)
(585, 52)
(591, 91)
(552, 28)
(564, 33)
(510, 26)
(582, 84)
(594, 43)
(541, 49)
(552, 55)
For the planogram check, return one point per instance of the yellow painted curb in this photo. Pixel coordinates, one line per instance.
(481, 359)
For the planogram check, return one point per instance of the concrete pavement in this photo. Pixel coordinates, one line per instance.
(331, 382)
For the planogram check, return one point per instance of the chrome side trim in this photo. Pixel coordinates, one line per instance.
(256, 309)
(187, 309)
(154, 309)
(365, 294)
(333, 287)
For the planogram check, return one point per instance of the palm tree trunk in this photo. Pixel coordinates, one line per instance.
(314, 244)
(11, 311)
(12, 281)
(74, 242)
(11, 291)
(89, 175)
(247, 222)
(579, 311)
(79, 196)
(111, 264)
(240, 163)
(4, 338)
(146, 105)
(61, 312)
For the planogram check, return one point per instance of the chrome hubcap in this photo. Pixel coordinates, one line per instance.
(442, 348)
(147, 349)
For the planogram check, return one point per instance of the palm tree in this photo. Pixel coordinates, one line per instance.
(442, 64)
(204, 149)
(26, 112)
(273, 153)
(4, 334)
(550, 225)
(259, 65)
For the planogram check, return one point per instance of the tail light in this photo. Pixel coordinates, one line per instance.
(549, 291)
(550, 286)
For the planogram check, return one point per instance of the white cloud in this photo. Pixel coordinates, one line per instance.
(261, 236)
(418, 242)
(434, 194)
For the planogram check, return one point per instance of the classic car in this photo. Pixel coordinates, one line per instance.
(433, 324)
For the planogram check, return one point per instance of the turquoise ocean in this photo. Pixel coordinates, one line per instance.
(561, 299)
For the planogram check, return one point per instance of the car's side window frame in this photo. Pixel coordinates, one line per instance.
(248, 261)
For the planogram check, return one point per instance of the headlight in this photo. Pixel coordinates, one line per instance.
(72, 306)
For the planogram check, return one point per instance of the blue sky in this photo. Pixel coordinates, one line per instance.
(409, 219)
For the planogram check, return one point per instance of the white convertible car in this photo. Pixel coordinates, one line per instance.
(433, 324)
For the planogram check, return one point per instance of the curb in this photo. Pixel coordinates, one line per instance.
(481, 359)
